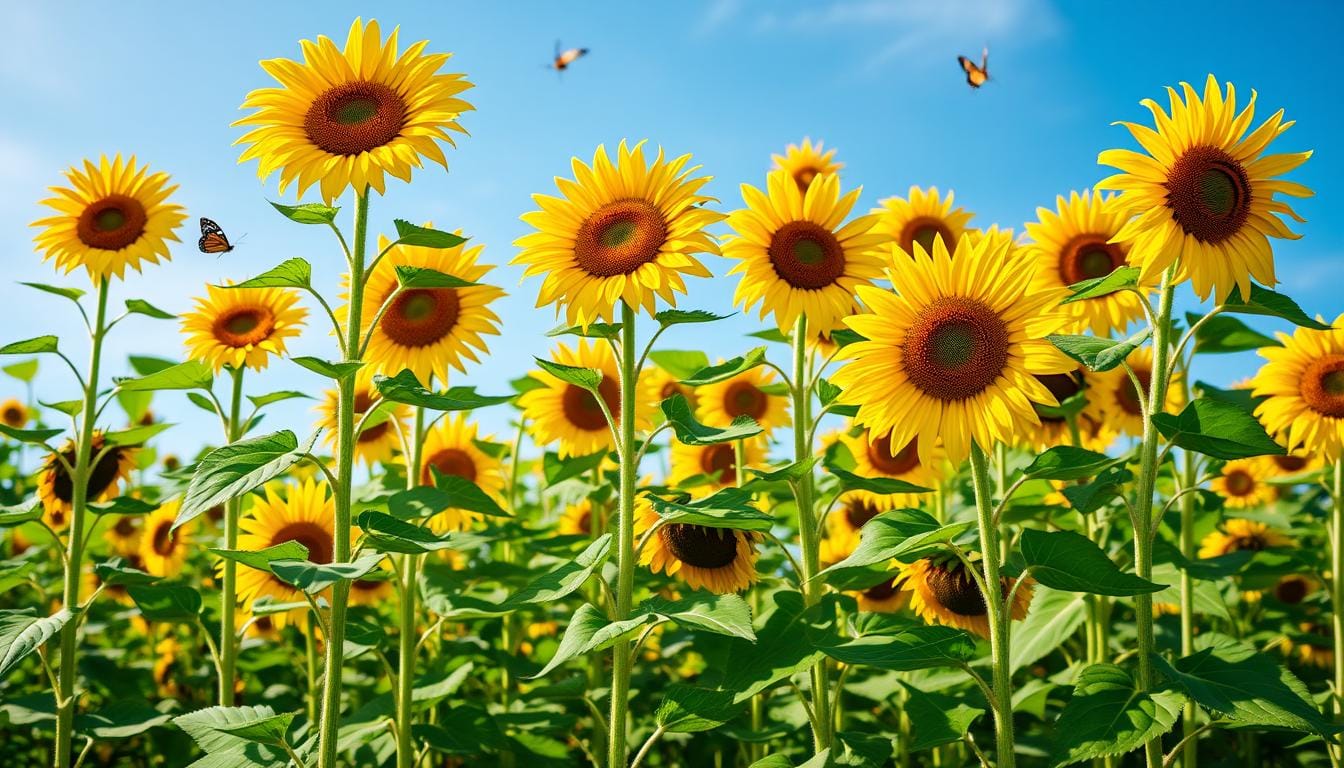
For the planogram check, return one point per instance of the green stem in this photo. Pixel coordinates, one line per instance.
(345, 458)
(617, 751)
(79, 498)
(998, 614)
(1189, 726)
(406, 639)
(755, 751)
(1337, 588)
(228, 631)
(310, 648)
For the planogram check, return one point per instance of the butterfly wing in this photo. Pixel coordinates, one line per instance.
(213, 239)
(975, 76)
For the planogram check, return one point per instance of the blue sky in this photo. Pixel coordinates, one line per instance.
(729, 81)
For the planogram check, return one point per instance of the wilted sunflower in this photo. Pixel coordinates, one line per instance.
(1239, 534)
(1303, 389)
(577, 519)
(163, 550)
(1203, 196)
(56, 489)
(795, 253)
(943, 592)
(624, 231)
(377, 443)
(875, 456)
(718, 461)
(883, 597)
(568, 414)
(451, 449)
(1073, 244)
(657, 384)
(344, 118)
(13, 413)
(1242, 484)
(123, 536)
(955, 352)
(242, 326)
(1094, 431)
(719, 560)
(920, 220)
(1114, 401)
(427, 330)
(305, 514)
(746, 394)
(806, 161)
(115, 215)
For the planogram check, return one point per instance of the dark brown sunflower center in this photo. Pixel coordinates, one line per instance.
(955, 349)
(956, 590)
(1239, 482)
(858, 513)
(1127, 396)
(1062, 386)
(421, 316)
(1290, 463)
(891, 462)
(449, 461)
(806, 255)
(1253, 542)
(352, 118)
(311, 535)
(1209, 194)
(244, 326)
(1323, 385)
(669, 389)
(582, 409)
(125, 527)
(585, 521)
(370, 434)
(742, 398)
(111, 223)
(1089, 256)
(263, 624)
(803, 176)
(619, 238)
(101, 476)
(14, 416)
(1291, 590)
(163, 539)
(884, 591)
(719, 460)
(367, 585)
(924, 230)
(700, 546)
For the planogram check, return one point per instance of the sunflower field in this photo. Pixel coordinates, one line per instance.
(962, 499)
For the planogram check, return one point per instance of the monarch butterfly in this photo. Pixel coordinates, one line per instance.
(566, 57)
(975, 76)
(213, 239)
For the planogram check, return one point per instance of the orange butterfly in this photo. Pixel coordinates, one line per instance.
(213, 239)
(566, 57)
(975, 76)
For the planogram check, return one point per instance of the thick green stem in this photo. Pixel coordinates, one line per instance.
(617, 751)
(406, 639)
(998, 613)
(345, 461)
(1189, 726)
(310, 652)
(228, 630)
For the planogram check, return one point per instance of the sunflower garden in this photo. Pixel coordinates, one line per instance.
(962, 500)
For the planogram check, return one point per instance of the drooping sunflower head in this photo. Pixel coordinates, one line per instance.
(163, 550)
(571, 415)
(1073, 243)
(953, 354)
(944, 592)
(347, 117)
(920, 220)
(806, 161)
(113, 465)
(304, 513)
(1119, 404)
(428, 331)
(1202, 194)
(875, 456)
(242, 326)
(795, 253)
(116, 214)
(747, 394)
(452, 449)
(378, 443)
(1238, 534)
(1095, 433)
(717, 461)
(884, 597)
(1303, 389)
(624, 231)
(1242, 483)
(719, 560)
(13, 413)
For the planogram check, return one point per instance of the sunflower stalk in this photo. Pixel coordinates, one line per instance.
(997, 611)
(617, 750)
(228, 632)
(407, 638)
(1337, 591)
(1189, 723)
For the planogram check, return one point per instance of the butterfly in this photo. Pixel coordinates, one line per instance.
(975, 76)
(213, 239)
(566, 57)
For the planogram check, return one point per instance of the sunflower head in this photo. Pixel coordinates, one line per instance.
(746, 394)
(346, 117)
(884, 597)
(1302, 386)
(717, 461)
(123, 536)
(1095, 432)
(302, 512)
(452, 449)
(875, 456)
(13, 413)
(719, 560)
(1314, 646)
(571, 415)
(163, 550)
(56, 488)
(805, 161)
(1294, 588)
(1242, 483)
(1114, 401)
(242, 326)
(943, 591)
(1238, 535)
(920, 220)
(378, 443)
(845, 523)
(577, 519)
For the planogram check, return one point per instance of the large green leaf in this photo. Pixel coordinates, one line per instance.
(692, 432)
(72, 294)
(425, 237)
(18, 514)
(1120, 279)
(729, 508)
(1224, 334)
(1108, 716)
(882, 485)
(1071, 562)
(189, 375)
(1099, 492)
(37, 436)
(681, 363)
(120, 720)
(389, 534)
(892, 536)
(267, 730)
(728, 369)
(937, 718)
(720, 614)
(1217, 428)
(1263, 301)
(405, 388)
(117, 573)
(314, 577)
(688, 709)
(918, 646)
(564, 578)
(33, 346)
(166, 602)
(142, 307)
(782, 648)
(558, 470)
(22, 632)
(1065, 462)
(1054, 617)
(261, 559)
(589, 631)
(671, 317)
(583, 378)
(338, 371)
(234, 470)
(307, 213)
(1097, 353)
(207, 727)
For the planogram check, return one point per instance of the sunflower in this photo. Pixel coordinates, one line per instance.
(1239, 534)
(427, 330)
(1094, 432)
(1073, 244)
(242, 326)
(13, 413)
(117, 592)
(261, 627)
(794, 255)
(657, 384)
(1203, 196)
(883, 597)
(717, 461)
(875, 456)
(375, 589)
(56, 489)
(1117, 403)
(123, 536)
(1292, 463)
(167, 667)
(162, 549)
(719, 560)
(922, 219)
(375, 444)
(344, 118)
(1314, 646)
(571, 414)
(1303, 389)
(305, 514)
(114, 215)
(626, 230)
(843, 525)
(954, 354)
(1242, 484)
(746, 394)
(451, 449)
(806, 161)
(1294, 588)
(577, 519)
(942, 591)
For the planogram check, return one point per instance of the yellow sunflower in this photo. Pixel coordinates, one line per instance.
(806, 161)
(1294, 588)
(1314, 646)
(115, 592)
(1294, 463)
(304, 514)
(577, 519)
(427, 330)
(1095, 433)
(795, 254)
(242, 326)
(56, 489)
(955, 351)
(1073, 243)
(884, 597)
(344, 118)
(844, 524)
(656, 385)
(450, 449)
(123, 536)
(13, 413)
(745, 394)
(624, 231)
(715, 559)
(875, 456)
(571, 415)
(1303, 389)
(922, 219)
(162, 549)
(375, 444)
(261, 627)
(1203, 196)
(373, 590)
(168, 667)
(1242, 484)
(1116, 402)
(537, 630)
(942, 591)
(1239, 534)
(718, 461)
(114, 215)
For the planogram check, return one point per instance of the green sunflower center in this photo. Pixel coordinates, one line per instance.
(453, 462)
(956, 348)
(421, 317)
(1208, 194)
(806, 255)
(111, 223)
(583, 411)
(353, 118)
(1087, 257)
(700, 546)
(619, 238)
(1322, 385)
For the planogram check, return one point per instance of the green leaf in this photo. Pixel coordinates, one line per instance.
(680, 363)
(122, 505)
(729, 508)
(18, 514)
(1071, 562)
(423, 277)
(589, 631)
(1223, 334)
(565, 578)
(1109, 716)
(292, 273)
(688, 709)
(727, 370)
(464, 494)
(143, 365)
(142, 307)
(22, 632)
(206, 726)
(37, 436)
(314, 577)
(584, 378)
(691, 432)
(557, 470)
(1096, 353)
(120, 720)
(189, 375)
(338, 371)
(1120, 279)
(590, 331)
(883, 485)
(1065, 462)
(234, 470)
(1102, 490)
(1241, 397)
(267, 730)
(73, 294)
(166, 602)
(892, 536)
(920, 646)
(720, 614)
(1219, 429)
(34, 346)
(307, 213)
(388, 534)
(937, 719)
(671, 317)
(261, 401)
(117, 573)
(24, 370)
(135, 435)
(424, 237)
(782, 649)
(1053, 618)
(68, 407)
(405, 388)
(261, 559)
(1266, 302)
